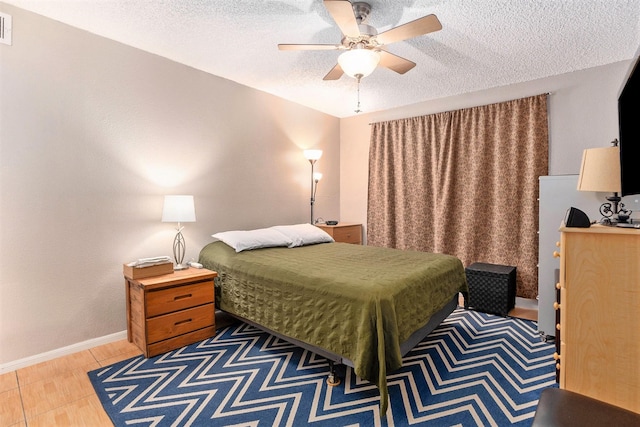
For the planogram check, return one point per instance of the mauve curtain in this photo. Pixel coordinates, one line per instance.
(463, 183)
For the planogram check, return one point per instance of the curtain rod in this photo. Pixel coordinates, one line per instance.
(530, 96)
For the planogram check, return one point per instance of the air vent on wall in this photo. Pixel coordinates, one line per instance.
(5, 28)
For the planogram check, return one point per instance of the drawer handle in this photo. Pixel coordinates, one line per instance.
(558, 285)
(556, 306)
(556, 254)
(176, 298)
(182, 322)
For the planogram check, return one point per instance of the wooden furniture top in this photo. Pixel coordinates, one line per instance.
(338, 225)
(599, 228)
(176, 278)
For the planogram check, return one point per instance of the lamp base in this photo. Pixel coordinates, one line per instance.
(179, 267)
(612, 215)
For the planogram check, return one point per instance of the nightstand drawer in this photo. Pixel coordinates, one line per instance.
(349, 234)
(180, 341)
(178, 298)
(174, 324)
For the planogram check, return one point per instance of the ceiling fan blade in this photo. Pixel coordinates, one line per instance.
(395, 62)
(342, 12)
(426, 24)
(309, 46)
(335, 73)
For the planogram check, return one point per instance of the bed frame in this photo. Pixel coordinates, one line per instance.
(334, 358)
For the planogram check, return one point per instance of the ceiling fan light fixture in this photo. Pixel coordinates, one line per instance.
(359, 63)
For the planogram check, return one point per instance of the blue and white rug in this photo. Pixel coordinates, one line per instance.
(475, 369)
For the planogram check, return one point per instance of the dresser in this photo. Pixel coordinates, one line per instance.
(557, 194)
(344, 232)
(170, 311)
(600, 314)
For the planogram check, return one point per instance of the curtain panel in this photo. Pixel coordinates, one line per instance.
(464, 183)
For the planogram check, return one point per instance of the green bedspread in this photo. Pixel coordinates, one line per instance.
(359, 302)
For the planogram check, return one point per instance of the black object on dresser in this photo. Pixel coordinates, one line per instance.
(492, 288)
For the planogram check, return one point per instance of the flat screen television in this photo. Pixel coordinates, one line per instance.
(629, 122)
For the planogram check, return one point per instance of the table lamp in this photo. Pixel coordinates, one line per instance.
(179, 209)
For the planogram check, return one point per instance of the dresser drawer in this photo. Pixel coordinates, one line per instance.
(178, 298)
(170, 325)
(348, 234)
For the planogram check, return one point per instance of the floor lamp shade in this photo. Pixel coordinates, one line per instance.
(179, 209)
(312, 155)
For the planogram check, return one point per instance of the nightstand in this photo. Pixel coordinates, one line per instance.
(170, 311)
(344, 232)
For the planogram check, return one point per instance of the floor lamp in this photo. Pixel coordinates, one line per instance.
(179, 209)
(313, 156)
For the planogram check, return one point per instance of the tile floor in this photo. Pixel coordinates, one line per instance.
(58, 392)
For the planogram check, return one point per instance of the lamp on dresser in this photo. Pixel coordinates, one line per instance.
(313, 156)
(179, 209)
(600, 172)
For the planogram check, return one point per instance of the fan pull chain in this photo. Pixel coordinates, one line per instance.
(358, 77)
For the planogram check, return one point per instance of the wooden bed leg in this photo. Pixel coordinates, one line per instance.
(332, 380)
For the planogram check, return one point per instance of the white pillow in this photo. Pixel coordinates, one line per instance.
(304, 234)
(242, 240)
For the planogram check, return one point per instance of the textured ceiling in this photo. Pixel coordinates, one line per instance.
(483, 43)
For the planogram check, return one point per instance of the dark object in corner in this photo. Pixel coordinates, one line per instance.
(331, 222)
(560, 408)
(492, 288)
(576, 218)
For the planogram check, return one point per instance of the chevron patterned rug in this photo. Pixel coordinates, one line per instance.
(475, 369)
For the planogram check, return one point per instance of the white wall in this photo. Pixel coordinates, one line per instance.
(93, 134)
(582, 114)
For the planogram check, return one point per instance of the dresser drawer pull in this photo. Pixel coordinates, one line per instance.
(182, 322)
(556, 306)
(556, 254)
(179, 297)
(556, 357)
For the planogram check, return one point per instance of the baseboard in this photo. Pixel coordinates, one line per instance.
(63, 351)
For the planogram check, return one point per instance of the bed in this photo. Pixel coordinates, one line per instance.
(352, 304)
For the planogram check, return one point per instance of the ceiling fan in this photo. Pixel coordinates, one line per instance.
(363, 46)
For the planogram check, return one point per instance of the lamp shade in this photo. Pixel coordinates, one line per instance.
(312, 154)
(359, 62)
(178, 209)
(600, 170)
